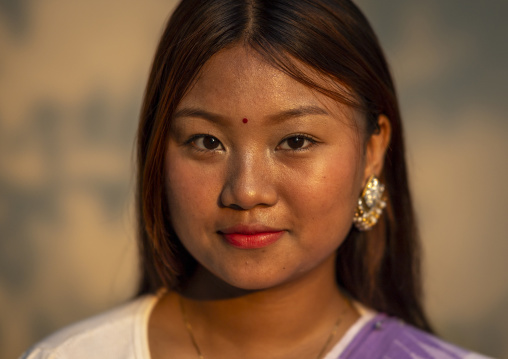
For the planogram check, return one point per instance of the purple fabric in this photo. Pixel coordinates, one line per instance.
(389, 338)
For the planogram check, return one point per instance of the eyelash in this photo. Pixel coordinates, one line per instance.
(191, 141)
(312, 142)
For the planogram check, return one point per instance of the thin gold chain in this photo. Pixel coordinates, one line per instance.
(189, 328)
(200, 355)
(334, 330)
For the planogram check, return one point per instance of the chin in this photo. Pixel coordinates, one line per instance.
(254, 284)
(246, 281)
(259, 280)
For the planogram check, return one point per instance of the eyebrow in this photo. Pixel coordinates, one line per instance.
(275, 118)
(196, 112)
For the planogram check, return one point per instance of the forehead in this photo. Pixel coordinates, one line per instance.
(240, 78)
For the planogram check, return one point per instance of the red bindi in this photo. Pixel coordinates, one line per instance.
(245, 120)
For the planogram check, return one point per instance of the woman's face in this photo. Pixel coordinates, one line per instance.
(262, 172)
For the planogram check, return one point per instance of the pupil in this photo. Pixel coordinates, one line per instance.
(295, 142)
(210, 143)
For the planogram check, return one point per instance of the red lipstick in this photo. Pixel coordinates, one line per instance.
(251, 236)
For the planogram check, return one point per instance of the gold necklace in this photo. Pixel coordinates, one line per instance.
(200, 355)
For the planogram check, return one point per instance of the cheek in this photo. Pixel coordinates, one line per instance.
(326, 201)
(191, 192)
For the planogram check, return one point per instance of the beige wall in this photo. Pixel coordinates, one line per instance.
(71, 81)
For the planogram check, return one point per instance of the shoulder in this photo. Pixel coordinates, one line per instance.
(387, 337)
(118, 333)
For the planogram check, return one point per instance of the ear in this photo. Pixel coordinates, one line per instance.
(376, 147)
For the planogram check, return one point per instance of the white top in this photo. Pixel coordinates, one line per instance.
(365, 316)
(122, 333)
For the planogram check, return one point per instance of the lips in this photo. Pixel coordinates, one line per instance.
(251, 236)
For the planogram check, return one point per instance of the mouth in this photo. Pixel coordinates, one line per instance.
(251, 236)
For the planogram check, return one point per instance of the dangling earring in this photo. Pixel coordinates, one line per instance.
(370, 204)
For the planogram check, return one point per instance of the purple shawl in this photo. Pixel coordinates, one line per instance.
(385, 337)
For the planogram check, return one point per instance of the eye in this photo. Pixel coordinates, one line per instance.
(206, 143)
(297, 143)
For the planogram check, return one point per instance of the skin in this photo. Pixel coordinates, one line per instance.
(298, 166)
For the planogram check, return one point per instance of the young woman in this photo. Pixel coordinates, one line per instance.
(275, 219)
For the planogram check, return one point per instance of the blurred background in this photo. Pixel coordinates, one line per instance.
(72, 76)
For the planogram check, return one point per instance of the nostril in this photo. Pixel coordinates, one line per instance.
(227, 204)
(235, 207)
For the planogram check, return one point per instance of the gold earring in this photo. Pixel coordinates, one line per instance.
(370, 204)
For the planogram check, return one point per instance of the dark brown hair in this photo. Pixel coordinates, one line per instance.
(379, 268)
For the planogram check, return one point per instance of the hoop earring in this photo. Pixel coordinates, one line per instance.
(370, 204)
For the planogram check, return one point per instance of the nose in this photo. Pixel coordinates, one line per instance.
(250, 182)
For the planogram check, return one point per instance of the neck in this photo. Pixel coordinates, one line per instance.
(299, 311)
